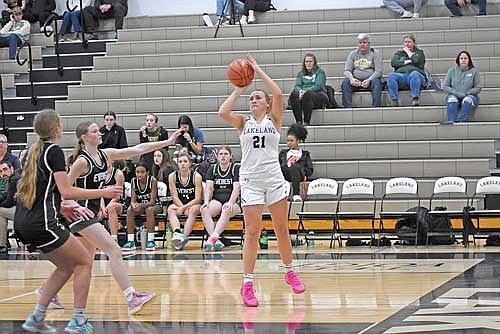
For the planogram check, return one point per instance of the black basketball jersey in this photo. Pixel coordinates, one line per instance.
(94, 179)
(142, 196)
(185, 191)
(109, 182)
(223, 180)
(47, 203)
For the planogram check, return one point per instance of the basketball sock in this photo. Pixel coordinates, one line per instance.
(130, 237)
(80, 315)
(247, 278)
(129, 293)
(151, 236)
(39, 312)
(288, 267)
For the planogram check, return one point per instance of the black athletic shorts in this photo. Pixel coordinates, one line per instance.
(38, 237)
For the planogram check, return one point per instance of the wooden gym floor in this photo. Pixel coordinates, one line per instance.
(349, 290)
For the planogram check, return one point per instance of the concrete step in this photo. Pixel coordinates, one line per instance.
(419, 149)
(380, 40)
(285, 66)
(302, 16)
(211, 103)
(486, 116)
(204, 88)
(11, 66)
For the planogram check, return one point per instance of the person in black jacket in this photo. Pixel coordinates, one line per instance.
(104, 9)
(39, 10)
(295, 163)
(113, 135)
(149, 133)
(7, 201)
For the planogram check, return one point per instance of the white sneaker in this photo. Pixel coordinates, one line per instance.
(297, 198)
(251, 19)
(406, 15)
(177, 239)
(243, 19)
(48, 28)
(416, 15)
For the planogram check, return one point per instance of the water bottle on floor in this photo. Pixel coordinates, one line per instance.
(310, 240)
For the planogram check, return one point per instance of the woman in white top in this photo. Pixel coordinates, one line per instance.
(261, 180)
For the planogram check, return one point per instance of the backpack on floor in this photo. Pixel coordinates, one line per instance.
(406, 227)
(441, 223)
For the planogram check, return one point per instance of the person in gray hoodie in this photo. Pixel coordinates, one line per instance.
(362, 71)
(462, 83)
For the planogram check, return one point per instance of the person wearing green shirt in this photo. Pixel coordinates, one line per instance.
(310, 90)
(408, 64)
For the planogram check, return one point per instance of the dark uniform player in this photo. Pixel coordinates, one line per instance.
(221, 197)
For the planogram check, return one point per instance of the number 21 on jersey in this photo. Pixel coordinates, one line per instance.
(259, 142)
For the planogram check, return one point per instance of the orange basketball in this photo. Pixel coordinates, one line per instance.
(240, 72)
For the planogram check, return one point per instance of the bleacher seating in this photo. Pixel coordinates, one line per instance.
(172, 66)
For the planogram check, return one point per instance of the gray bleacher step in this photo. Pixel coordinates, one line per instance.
(340, 26)
(7, 80)
(279, 16)
(202, 88)
(208, 103)
(222, 133)
(276, 68)
(36, 52)
(417, 149)
(343, 43)
(11, 66)
(355, 116)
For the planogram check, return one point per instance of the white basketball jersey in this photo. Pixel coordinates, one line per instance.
(259, 148)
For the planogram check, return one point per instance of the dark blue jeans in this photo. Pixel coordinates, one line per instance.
(455, 8)
(12, 41)
(74, 17)
(415, 80)
(453, 103)
(347, 89)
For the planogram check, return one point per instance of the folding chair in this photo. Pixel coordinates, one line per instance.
(324, 189)
(485, 186)
(453, 186)
(399, 187)
(359, 189)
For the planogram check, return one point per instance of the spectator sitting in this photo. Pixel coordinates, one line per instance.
(149, 133)
(113, 135)
(7, 200)
(15, 32)
(399, 6)
(363, 70)
(454, 6)
(8, 7)
(73, 18)
(186, 188)
(226, 5)
(162, 167)
(220, 197)
(192, 138)
(39, 11)
(408, 64)
(111, 208)
(5, 155)
(295, 162)
(309, 91)
(104, 9)
(144, 195)
(462, 83)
